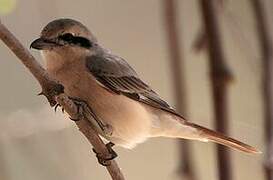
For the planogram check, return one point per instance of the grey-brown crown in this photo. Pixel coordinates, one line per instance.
(62, 26)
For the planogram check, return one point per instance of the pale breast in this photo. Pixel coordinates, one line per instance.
(130, 120)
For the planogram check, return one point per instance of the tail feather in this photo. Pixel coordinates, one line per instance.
(219, 138)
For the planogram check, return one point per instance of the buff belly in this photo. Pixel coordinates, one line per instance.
(130, 120)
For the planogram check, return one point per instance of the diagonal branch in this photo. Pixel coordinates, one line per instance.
(50, 89)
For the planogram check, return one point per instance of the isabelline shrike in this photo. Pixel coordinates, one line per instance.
(113, 90)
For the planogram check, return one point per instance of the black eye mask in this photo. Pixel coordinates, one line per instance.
(76, 40)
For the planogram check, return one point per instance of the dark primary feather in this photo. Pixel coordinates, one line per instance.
(116, 74)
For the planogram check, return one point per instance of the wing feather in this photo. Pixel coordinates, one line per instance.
(116, 74)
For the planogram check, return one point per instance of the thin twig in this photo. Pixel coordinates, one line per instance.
(48, 85)
(266, 41)
(176, 64)
(220, 76)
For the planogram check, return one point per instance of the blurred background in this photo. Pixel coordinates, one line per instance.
(170, 43)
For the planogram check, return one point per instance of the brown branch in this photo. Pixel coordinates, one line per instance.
(263, 30)
(176, 64)
(201, 41)
(220, 76)
(48, 89)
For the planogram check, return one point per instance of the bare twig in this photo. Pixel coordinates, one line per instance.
(265, 39)
(201, 41)
(220, 76)
(176, 63)
(48, 89)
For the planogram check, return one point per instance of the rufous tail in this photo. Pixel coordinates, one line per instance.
(219, 138)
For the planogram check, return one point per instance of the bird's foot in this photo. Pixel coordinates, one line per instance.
(80, 104)
(82, 108)
(105, 160)
(50, 90)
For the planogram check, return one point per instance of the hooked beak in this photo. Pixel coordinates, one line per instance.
(43, 44)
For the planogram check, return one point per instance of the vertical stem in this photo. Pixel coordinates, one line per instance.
(263, 30)
(220, 75)
(177, 66)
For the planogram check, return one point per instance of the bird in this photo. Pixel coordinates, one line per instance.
(113, 90)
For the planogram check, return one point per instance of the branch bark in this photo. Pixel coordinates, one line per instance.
(220, 76)
(266, 41)
(48, 88)
(176, 64)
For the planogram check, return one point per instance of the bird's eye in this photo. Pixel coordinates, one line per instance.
(67, 37)
(75, 40)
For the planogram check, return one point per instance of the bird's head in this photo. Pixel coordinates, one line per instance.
(64, 35)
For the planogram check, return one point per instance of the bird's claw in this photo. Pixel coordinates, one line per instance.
(105, 160)
(74, 119)
(57, 106)
(50, 90)
(82, 108)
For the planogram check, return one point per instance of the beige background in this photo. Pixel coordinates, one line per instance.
(38, 144)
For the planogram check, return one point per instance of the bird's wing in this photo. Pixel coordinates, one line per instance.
(115, 74)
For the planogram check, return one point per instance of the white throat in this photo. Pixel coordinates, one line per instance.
(53, 60)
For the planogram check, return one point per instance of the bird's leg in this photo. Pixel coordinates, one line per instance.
(105, 161)
(82, 108)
